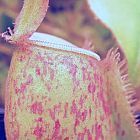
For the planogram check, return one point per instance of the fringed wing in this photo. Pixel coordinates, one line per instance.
(121, 96)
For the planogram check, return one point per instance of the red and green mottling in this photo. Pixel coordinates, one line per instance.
(58, 95)
(52, 94)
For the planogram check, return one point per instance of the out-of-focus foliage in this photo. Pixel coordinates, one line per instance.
(123, 17)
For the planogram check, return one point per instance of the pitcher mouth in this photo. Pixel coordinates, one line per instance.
(50, 41)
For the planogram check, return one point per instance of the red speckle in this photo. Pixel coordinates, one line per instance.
(123, 133)
(77, 122)
(96, 77)
(37, 108)
(57, 125)
(39, 58)
(38, 71)
(73, 70)
(51, 74)
(98, 131)
(89, 135)
(101, 80)
(81, 136)
(48, 85)
(74, 108)
(84, 115)
(38, 131)
(64, 131)
(56, 130)
(22, 88)
(84, 71)
(89, 76)
(19, 102)
(65, 108)
(23, 49)
(67, 138)
(91, 62)
(90, 112)
(29, 80)
(52, 114)
(17, 90)
(91, 87)
(39, 119)
(56, 109)
(21, 58)
(81, 101)
(15, 131)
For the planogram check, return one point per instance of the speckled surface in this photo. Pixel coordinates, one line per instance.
(57, 95)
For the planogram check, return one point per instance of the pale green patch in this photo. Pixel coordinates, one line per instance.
(123, 17)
